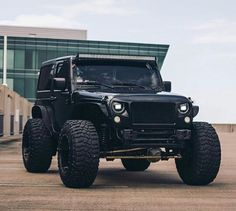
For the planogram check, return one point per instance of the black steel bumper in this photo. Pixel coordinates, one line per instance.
(155, 137)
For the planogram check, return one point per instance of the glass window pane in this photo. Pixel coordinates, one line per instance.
(1, 58)
(41, 57)
(10, 59)
(19, 59)
(30, 87)
(28, 59)
(51, 54)
(19, 86)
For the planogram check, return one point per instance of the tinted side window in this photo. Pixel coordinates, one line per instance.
(45, 78)
(63, 71)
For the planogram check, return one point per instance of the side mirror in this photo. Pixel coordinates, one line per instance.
(167, 86)
(59, 84)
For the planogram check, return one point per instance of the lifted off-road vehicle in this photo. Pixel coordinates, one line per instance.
(115, 107)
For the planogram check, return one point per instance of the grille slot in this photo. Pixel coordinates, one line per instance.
(153, 134)
(153, 112)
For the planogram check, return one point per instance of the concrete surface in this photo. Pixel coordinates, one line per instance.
(158, 188)
(4, 140)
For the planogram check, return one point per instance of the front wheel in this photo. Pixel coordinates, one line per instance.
(78, 153)
(201, 159)
(135, 164)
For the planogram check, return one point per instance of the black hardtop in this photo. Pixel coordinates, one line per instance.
(52, 61)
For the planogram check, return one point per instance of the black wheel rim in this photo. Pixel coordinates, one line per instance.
(64, 155)
(26, 153)
(25, 147)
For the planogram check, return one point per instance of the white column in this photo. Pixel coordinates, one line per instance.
(5, 62)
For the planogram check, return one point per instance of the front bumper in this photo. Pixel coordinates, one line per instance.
(173, 138)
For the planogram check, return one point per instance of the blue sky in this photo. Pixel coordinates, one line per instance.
(201, 62)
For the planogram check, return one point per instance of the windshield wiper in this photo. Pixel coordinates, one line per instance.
(94, 83)
(129, 84)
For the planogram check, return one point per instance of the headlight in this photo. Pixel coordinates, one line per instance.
(183, 108)
(118, 107)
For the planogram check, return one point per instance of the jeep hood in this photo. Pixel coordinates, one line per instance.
(131, 97)
(157, 97)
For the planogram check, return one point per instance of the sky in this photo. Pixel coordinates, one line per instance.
(201, 61)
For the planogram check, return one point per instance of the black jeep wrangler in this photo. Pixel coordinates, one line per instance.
(115, 107)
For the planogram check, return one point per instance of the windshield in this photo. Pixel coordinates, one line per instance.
(140, 75)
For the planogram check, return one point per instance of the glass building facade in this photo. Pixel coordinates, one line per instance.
(25, 56)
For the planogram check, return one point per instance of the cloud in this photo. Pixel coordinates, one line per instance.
(46, 20)
(67, 15)
(101, 7)
(216, 31)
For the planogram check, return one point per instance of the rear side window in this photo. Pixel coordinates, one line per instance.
(63, 71)
(45, 78)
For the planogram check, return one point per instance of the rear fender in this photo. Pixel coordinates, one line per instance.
(46, 114)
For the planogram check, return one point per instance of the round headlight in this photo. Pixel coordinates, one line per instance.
(184, 108)
(118, 107)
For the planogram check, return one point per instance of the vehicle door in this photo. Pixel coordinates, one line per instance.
(43, 93)
(61, 95)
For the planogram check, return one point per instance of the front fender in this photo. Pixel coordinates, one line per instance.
(195, 110)
(104, 109)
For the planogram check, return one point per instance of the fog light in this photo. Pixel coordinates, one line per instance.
(187, 119)
(117, 119)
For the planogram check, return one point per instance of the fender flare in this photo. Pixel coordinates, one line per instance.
(104, 109)
(90, 107)
(195, 110)
(46, 114)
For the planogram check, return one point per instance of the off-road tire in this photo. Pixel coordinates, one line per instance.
(135, 164)
(78, 154)
(37, 146)
(201, 159)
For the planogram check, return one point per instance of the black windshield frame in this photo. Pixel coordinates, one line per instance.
(138, 66)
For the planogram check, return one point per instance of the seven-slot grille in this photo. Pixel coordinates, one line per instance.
(152, 112)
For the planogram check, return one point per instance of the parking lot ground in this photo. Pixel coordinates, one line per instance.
(158, 188)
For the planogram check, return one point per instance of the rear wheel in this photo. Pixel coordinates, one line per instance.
(200, 161)
(78, 154)
(135, 164)
(37, 146)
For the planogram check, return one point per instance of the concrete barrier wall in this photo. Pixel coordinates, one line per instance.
(225, 128)
(14, 112)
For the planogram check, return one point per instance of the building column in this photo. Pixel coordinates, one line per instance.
(5, 62)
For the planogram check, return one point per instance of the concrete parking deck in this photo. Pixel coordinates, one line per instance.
(158, 188)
